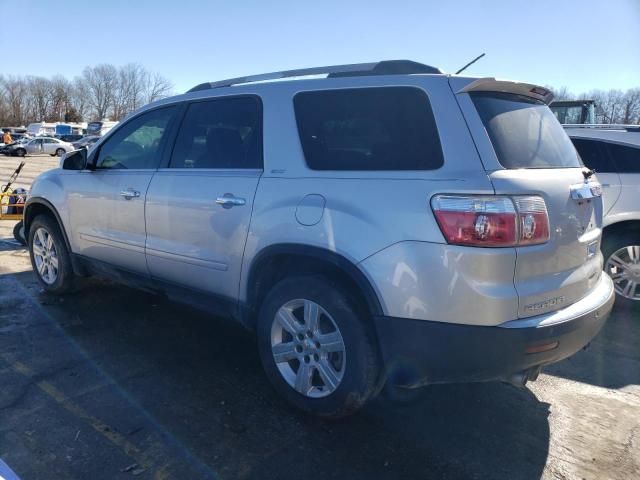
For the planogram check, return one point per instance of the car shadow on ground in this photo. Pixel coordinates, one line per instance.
(612, 360)
(152, 368)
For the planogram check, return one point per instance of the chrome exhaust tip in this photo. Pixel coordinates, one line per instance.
(517, 379)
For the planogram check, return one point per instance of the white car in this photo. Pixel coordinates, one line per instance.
(614, 153)
(50, 145)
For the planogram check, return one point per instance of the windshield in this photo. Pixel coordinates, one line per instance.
(524, 132)
(569, 114)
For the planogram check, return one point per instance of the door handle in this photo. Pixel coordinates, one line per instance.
(229, 201)
(129, 194)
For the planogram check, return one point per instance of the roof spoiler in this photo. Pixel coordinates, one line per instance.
(504, 86)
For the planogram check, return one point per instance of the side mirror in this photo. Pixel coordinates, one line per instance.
(76, 160)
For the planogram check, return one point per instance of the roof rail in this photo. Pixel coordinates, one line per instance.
(385, 67)
(604, 126)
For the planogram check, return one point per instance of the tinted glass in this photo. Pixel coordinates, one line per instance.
(524, 132)
(368, 129)
(627, 158)
(222, 133)
(137, 143)
(593, 155)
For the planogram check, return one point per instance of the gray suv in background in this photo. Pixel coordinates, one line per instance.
(387, 223)
(614, 153)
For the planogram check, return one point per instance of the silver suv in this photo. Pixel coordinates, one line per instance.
(387, 223)
(614, 153)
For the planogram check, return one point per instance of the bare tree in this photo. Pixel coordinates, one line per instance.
(157, 87)
(60, 98)
(39, 91)
(101, 83)
(132, 79)
(79, 98)
(561, 93)
(631, 106)
(15, 94)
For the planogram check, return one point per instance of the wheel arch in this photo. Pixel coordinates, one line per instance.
(632, 225)
(36, 206)
(272, 263)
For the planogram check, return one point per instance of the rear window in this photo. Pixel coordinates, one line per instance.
(524, 132)
(389, 128)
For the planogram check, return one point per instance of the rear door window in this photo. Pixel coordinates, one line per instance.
(627, 158)
(594, 155)
(524, 132)
(222, 133)
(388, 128)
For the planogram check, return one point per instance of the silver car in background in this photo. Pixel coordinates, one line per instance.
(614, 153)
(386, 224)
(42, 145)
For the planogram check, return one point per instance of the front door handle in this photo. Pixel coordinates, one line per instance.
(129, 194)
(229, 201)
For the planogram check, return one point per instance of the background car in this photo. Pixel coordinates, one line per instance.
(37, 145)
(7, 149)
(87, 142)
(69, 138)
(614, 153)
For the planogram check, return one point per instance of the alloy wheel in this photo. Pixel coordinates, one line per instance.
(308, 348)
(45, 256)
(624, 268)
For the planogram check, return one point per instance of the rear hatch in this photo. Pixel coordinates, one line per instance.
(525, 151)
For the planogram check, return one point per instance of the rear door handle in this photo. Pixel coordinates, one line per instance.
(130, 193)
(228, 200)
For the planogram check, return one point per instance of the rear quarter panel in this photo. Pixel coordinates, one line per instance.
(364, 212)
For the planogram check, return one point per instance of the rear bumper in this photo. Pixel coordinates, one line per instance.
(419, 352)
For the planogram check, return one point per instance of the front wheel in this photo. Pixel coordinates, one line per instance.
(622, 262)
(21, 152)
(316, 348)
(60, 152)
(50, 258)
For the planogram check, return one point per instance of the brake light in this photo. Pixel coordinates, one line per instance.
(533, 219)
(491, 220)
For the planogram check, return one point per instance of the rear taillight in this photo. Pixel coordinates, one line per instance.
(491, 221)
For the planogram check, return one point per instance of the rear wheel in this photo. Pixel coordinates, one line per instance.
(316, 348)
(49, 255)
(21, 152)
(622, 263)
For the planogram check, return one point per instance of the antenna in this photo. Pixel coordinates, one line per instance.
(470, 63)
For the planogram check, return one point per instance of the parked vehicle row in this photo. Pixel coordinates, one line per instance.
(388, 224)
(52, 138)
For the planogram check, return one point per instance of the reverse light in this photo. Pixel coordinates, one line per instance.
(491, 220)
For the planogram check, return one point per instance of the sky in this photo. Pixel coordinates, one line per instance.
(583, 45)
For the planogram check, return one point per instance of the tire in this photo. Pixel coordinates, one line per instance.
(353, 368)
(18, 233)
(624, 268)
(41, 228)
(21, 152)
(60, 152)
